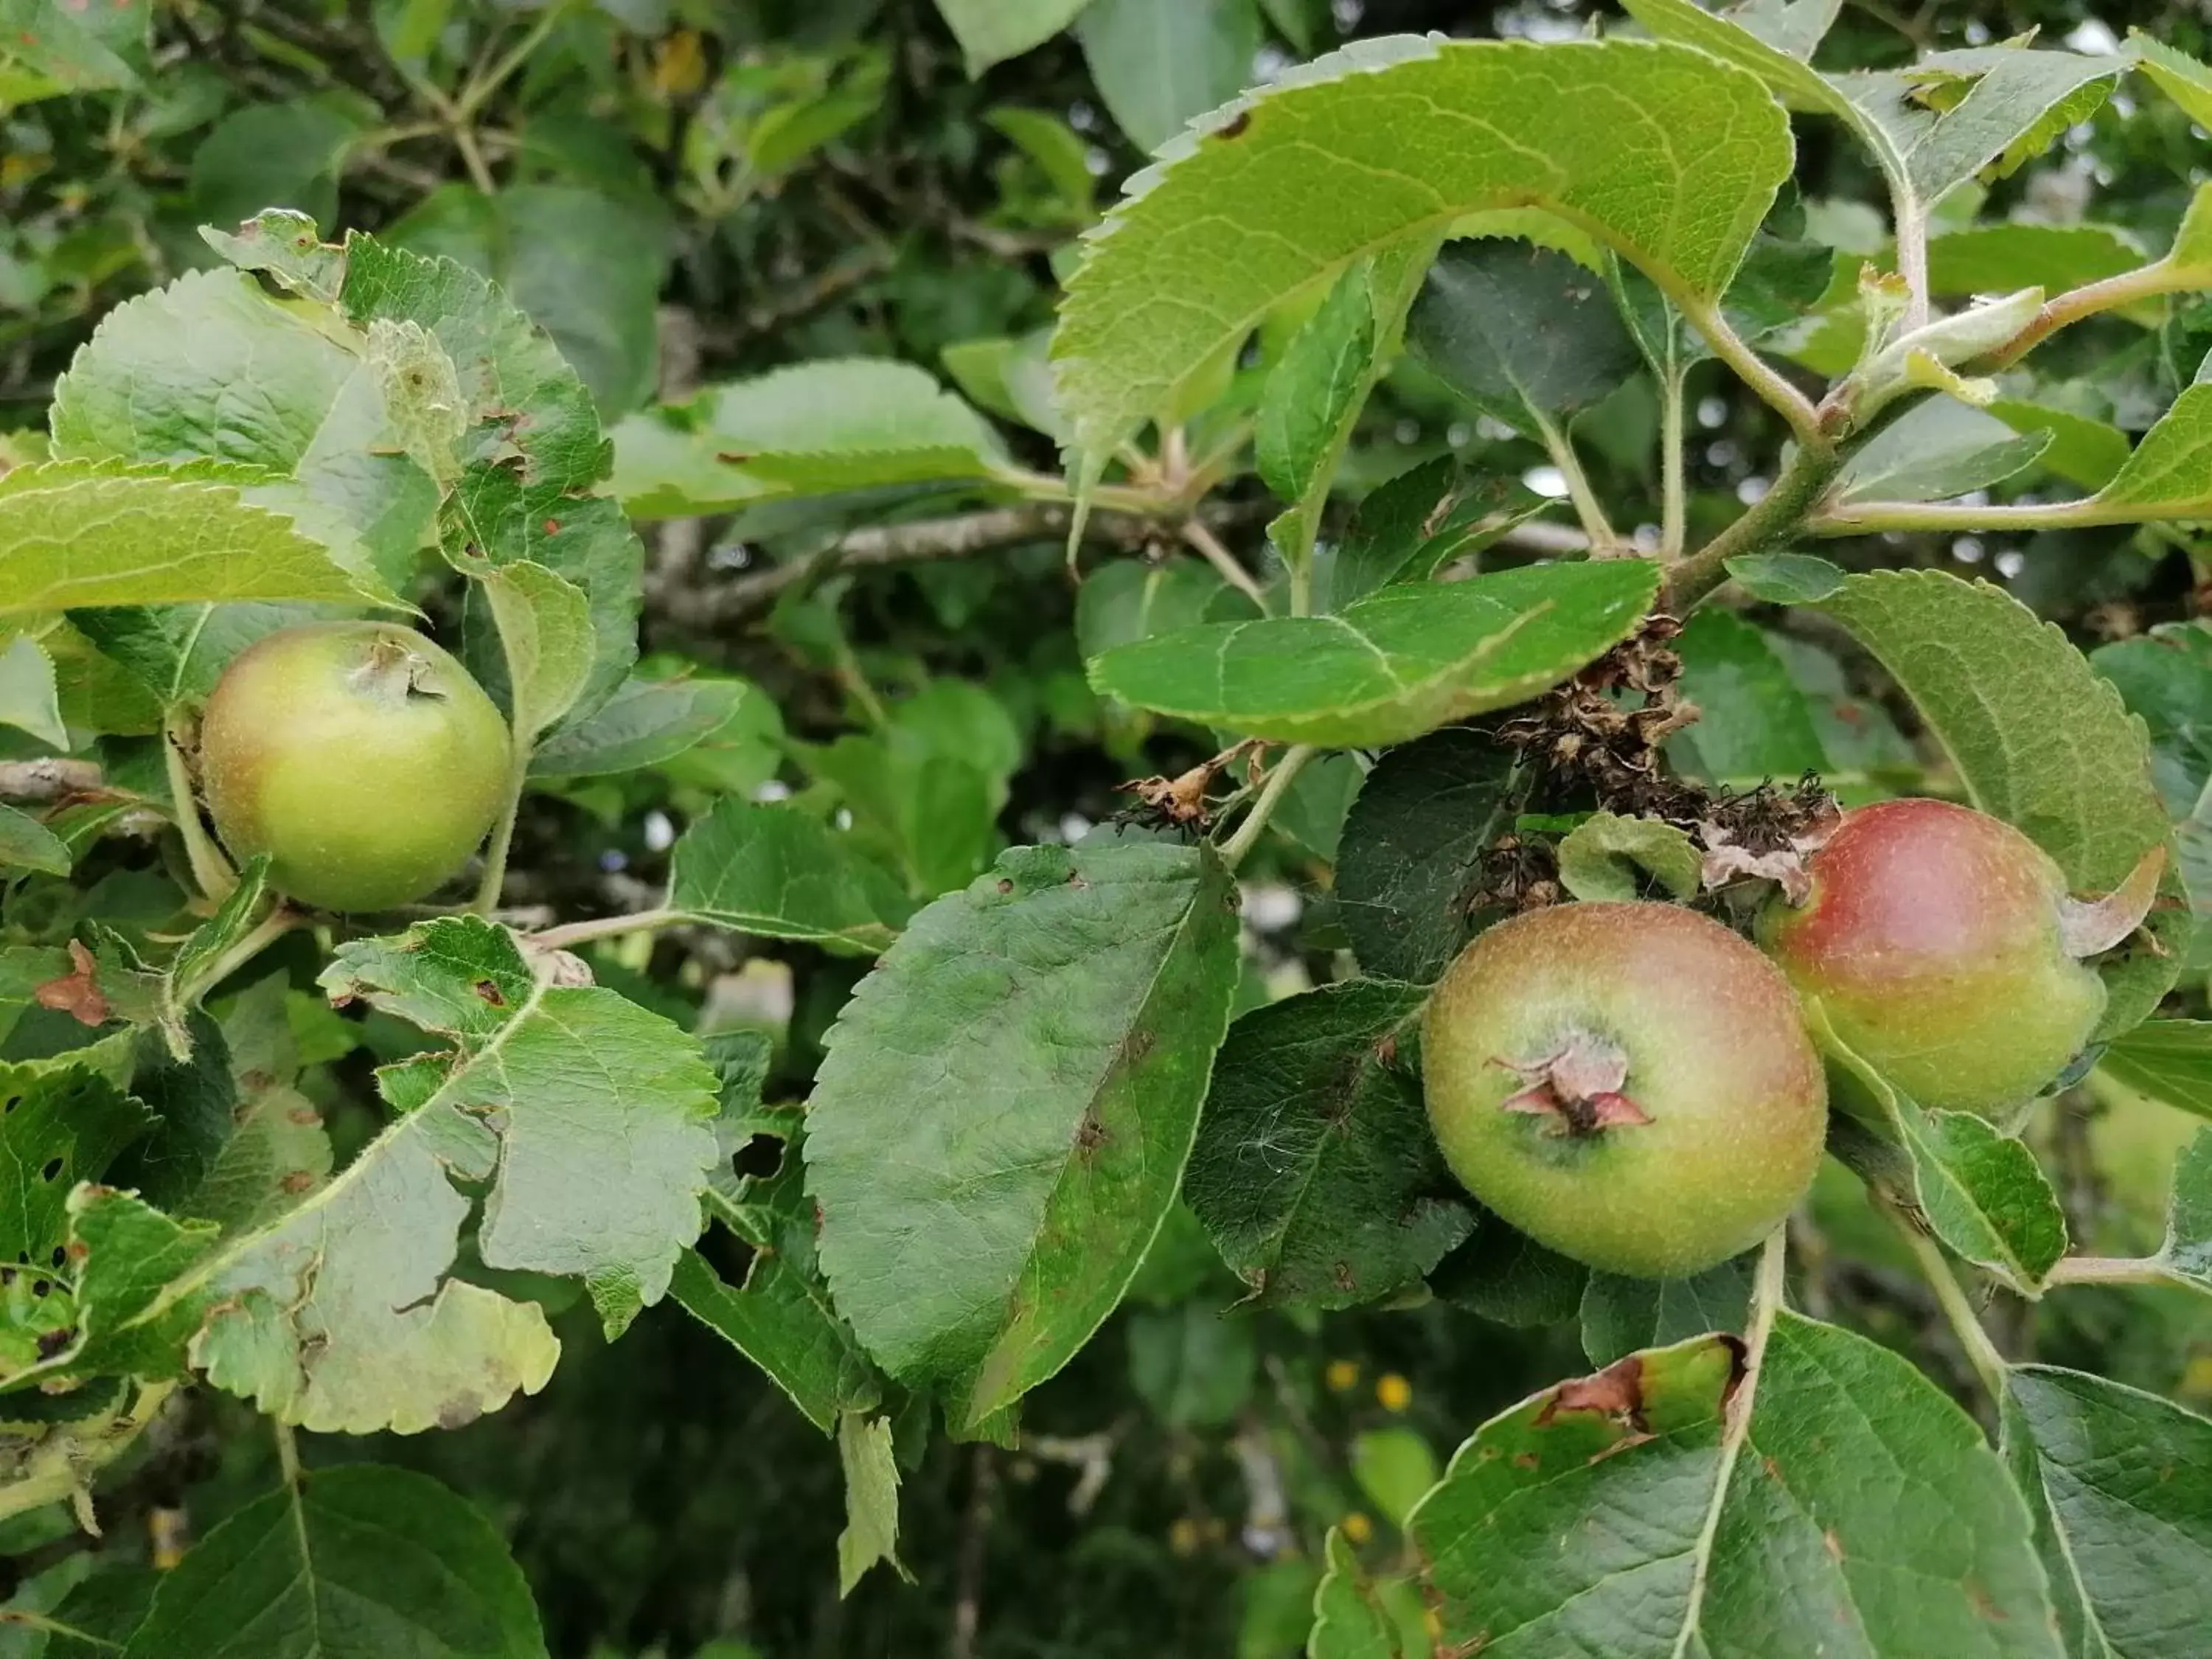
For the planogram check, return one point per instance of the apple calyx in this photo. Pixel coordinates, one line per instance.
(1578, 1086)
(2087, 927)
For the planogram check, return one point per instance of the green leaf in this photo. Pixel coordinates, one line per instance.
(2174, 73)
(211, 367)
(59, 1127)
(1395, 1468)
(1936, 450)
(825, 428)
(2169, 473)
(290, 152)
(1389, 667)
(1072, 1002)
(1194, 1365)
(1982, 1192)
(1507, 1276)
(28, 699)
(28, 844)
(1411, 855)
(2122, 1483)
(1995, 108)
(358, 1559)
(277, 1151)
(1752, 722)
(872, 1480)
(2166, 678)
(2186, 1253)
(526, 405)
(645, 723)
(1609, 857)
(1159, 64)
(545, 629)
(1998, 258)
(82, 542)
(992, 31)
(1315, 1172)
(67, 48)
(178, 652)
(1348, 1622)
(568, 1071)
(1733, 38)
(1060, 153)
(1398, 138)
(2040, 738)
(587, 267)
(1620, 1315)
(1313, 396)
(283, 244)
(582, 1114)
(1132, 600)
(1786, 578)
(1524, 334)
(777, 872)
(1410, 527)
(2168, 1060)
(2081, 451)
(778, 1313)
(1861, 1500)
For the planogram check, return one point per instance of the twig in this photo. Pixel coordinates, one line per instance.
(39, 782)
(1793, 405)
(2110, 1270)
(1271, 795)
(572, 933)
(920, 540)
(1594, 525)
(975, 1538)
(1777, 513)
(1210, 548)
(1981, 1353)
(1673, 493)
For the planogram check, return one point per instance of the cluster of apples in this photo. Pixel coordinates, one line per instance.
(1634, 1085)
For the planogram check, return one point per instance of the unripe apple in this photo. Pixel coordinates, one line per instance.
(1933, 940)
(1629, 1084)
(360, 757)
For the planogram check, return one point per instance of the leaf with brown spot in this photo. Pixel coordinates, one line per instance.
(1614, 1525)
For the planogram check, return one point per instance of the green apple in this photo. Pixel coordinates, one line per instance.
(1629, 1084)
(362, 759)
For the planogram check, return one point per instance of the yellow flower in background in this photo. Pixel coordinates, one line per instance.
(1394, 1391)
(1357, 1526)
(1342, 1375)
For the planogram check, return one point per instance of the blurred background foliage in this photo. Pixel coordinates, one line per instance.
(687, 193)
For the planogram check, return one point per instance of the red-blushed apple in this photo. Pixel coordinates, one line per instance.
(360, 756)
(1630, 1084)
(1943, 949)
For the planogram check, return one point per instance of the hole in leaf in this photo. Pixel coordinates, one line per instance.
(40, 1287)
(727, 1255)
(53, 1167)
(759, 1158)
(59, 1255)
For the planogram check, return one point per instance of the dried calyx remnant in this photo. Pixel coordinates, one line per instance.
(1602, 733)
(1578, 1087)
